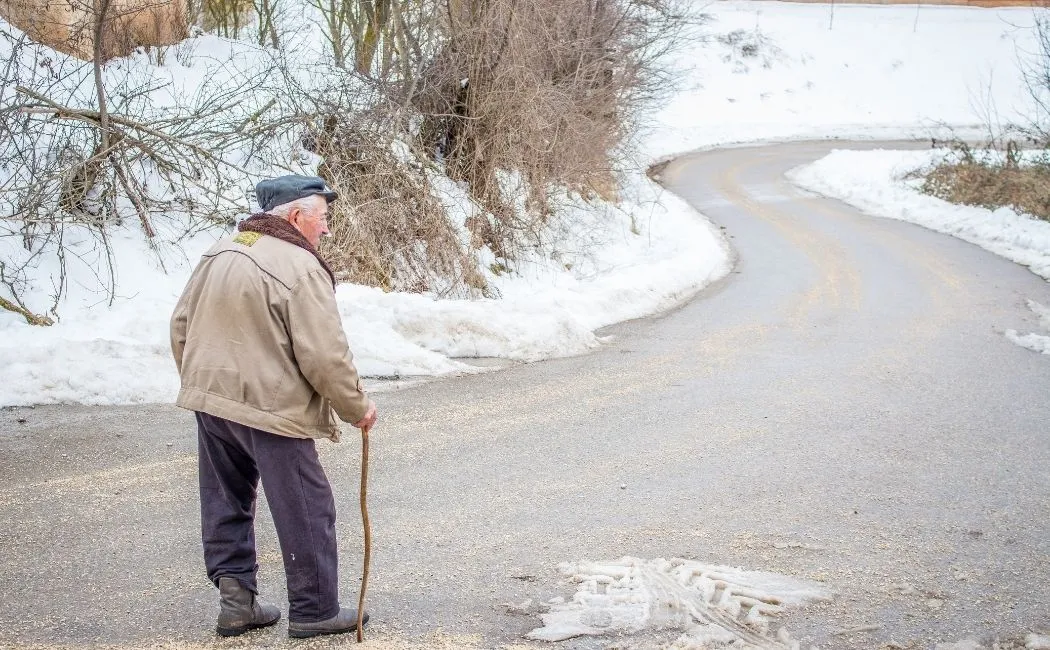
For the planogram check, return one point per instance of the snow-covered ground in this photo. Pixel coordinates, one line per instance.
(1034, 341)
(775, 71)
(602, 272)
(762, 71)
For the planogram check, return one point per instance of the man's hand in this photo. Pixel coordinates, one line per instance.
(369, 420)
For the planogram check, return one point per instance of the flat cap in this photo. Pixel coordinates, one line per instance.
(284, 189)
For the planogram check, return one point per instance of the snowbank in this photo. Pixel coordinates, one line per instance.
(602, 272)
(551, 306)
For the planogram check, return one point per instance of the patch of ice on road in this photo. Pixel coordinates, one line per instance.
(1035, 342)
(710, 604)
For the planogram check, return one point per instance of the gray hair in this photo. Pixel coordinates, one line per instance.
(306, 204)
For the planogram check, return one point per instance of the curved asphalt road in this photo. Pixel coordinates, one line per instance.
(843, 407)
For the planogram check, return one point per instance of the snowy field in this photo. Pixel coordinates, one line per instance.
(763, 71)
(774, 71)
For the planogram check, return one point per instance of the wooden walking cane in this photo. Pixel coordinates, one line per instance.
(368, 534)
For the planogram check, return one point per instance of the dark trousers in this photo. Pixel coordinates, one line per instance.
(233, 458)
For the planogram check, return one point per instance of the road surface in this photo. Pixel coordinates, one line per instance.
(843, 408)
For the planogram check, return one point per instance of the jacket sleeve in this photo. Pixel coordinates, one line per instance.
(320, 348)
(179, 322)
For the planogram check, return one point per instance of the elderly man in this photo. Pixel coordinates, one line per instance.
(263, 359)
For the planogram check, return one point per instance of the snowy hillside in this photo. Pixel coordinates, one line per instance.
(763, 71)
(781, 70)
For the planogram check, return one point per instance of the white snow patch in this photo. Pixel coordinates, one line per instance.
(875, 182)
(1042, 312)
(1035, 342)
(709, 604)
(1037, 642)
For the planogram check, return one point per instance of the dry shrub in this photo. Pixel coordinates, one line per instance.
(389, 230)
(995, 174)
(992, 181)
(519, 98)
(746, 46)
(546, 88)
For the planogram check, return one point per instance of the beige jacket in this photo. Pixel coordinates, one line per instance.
(258, 340)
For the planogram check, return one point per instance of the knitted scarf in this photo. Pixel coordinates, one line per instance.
(268, 224)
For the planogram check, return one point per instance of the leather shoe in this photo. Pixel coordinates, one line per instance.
(240, 611)
(343, 622)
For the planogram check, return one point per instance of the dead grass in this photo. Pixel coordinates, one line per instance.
(390, 231)
(992, 180)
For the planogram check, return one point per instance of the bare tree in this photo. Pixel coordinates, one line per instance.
(88, 160)
(379, 37)
(268, 14)
(1036, 68)
(225, 17)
